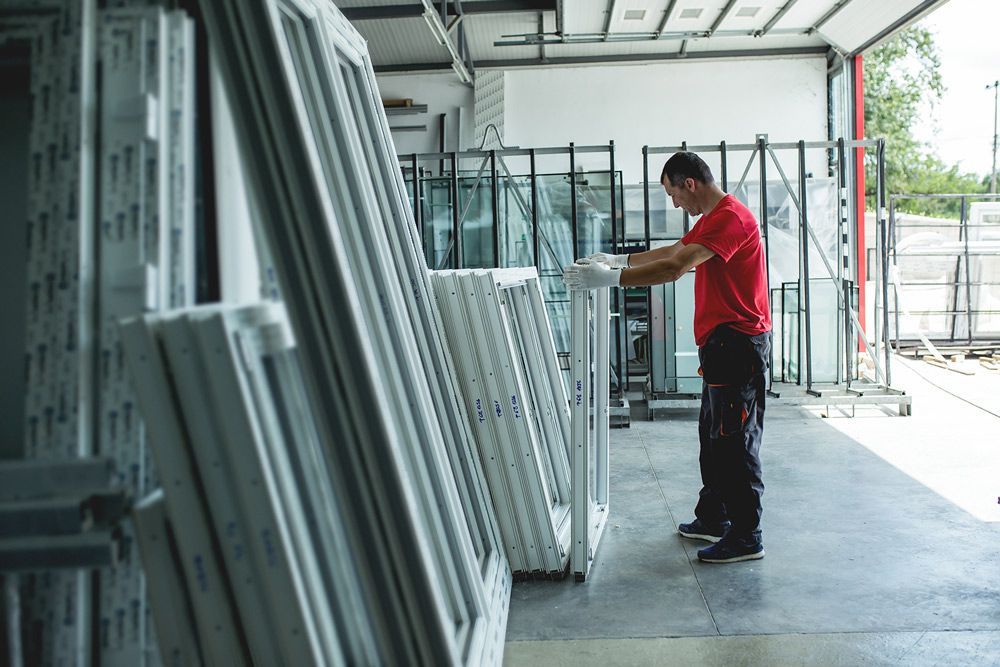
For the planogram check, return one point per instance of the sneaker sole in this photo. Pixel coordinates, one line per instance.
(697, 536)
(734, 559)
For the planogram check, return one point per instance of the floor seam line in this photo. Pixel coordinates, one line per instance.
(844, 633)
(673, 521)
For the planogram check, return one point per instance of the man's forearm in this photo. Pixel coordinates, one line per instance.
(652, 273)
(655, 255)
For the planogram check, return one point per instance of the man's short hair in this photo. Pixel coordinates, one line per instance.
(686, 165)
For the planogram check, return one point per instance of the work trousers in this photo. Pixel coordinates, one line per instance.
(734, 367)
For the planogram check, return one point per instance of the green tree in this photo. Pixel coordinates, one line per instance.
(902, 81)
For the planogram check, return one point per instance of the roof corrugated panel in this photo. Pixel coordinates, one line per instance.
(584, 16)
(402, 41)
(805, 13)
(861, 20)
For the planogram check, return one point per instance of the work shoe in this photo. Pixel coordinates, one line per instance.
(698, 530)
(732, 551)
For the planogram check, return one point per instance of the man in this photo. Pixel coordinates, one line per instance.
(732, 327)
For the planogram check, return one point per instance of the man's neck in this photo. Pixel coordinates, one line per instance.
(713, 195)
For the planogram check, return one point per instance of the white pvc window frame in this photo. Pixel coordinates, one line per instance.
(218, 625)
(216, 461)
(590, 372)
(354, 318)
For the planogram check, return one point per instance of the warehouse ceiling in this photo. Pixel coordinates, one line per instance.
(409, 35)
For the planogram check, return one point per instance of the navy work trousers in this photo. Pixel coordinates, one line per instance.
(731, 425)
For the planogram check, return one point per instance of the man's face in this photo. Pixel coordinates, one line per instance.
(683, 195)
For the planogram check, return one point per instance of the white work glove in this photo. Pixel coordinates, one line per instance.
(588, 274)
(614, 261)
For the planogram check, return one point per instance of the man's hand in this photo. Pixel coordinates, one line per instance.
(588, 274)
(614, 261)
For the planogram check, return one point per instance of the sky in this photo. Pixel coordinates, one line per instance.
(960, 129)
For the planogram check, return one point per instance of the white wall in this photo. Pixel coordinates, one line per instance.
(443, 93)
(665, 104)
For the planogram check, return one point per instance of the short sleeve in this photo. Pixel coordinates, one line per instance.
(723, 234)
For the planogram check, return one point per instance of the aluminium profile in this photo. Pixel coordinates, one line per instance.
(33, 478)
(50, 552)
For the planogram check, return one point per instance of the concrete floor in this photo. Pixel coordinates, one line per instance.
(882, 536)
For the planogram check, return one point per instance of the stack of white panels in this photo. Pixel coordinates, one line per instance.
(501, 343)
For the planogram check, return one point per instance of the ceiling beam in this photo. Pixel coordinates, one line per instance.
(777, 17)
(666, 17)
(541, 31)
(440, 31)
(607, 19)
(534, 39)
(722, 17)
(468, 7)
(618, 58)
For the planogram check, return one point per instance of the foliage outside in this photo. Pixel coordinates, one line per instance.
(902, 81)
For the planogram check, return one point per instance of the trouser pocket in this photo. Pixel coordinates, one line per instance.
(732, 406)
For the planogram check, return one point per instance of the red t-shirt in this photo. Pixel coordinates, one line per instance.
(731, 287)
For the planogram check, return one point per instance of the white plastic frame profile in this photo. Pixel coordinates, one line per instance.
(218, 626)
(590, 355)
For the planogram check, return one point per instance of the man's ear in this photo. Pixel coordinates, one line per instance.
(690, 184)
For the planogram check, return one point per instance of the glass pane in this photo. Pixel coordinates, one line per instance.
(825, 323)
(438, 222)
(476, 211)
(777, 336)
(515, 228)
(985, 270)
(556, 251)
(790, 351)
